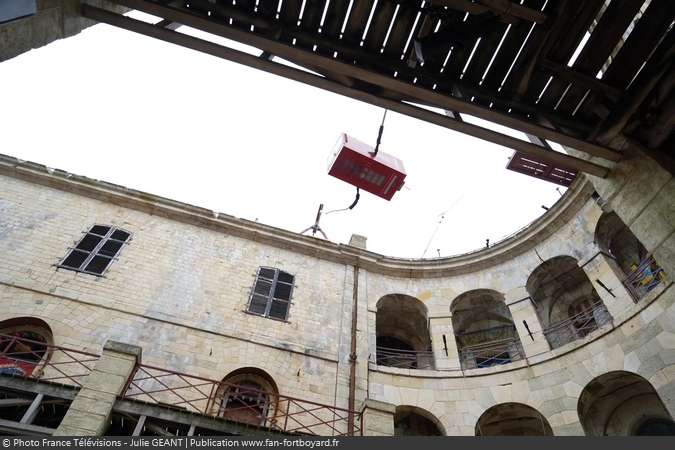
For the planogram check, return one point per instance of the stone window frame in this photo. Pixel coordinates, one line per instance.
(96, 250)
(271, 293)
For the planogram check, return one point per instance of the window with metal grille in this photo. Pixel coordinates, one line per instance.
(271, 293)
(96, 250)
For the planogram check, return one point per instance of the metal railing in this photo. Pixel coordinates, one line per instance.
(40, 360)
(578, 325)
(644, 278)
(405, 359)
(250, 406)
(491, 354)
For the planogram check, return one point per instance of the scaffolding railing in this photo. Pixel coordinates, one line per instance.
(578, 325)
(43, 361)
(405, 359)
(241, 403)
(644, 278)
(491, 354)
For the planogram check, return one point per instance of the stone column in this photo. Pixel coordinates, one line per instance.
(89, 414)
(521, 308)
(600, 272)
(445, 352)
(378, 418)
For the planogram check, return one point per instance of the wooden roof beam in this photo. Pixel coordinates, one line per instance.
(505, 9)
(420, 94)
(662, 58)
(411, 110)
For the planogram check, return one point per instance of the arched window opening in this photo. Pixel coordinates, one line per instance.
(413, 421)
(622, 403)
(656, 427)
(24, 346)
(484, 329)
(402, 333)
(513, 419)
(248, 395)
(631, 261)
(394, 352)
(567, 304)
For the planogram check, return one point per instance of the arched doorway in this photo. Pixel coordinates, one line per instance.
(24, 346)
(402, 333)
(484, 329)
(567, 304)
(623, 403)
(630, 260)
(413, 421)
(248, 395)
(513, 419)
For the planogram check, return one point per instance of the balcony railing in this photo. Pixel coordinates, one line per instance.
(245, 405)
(491, 354)
(577, 326)
(40, 360)
(644, 278)
(405, 359)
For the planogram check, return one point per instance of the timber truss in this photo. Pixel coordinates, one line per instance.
(574, 72)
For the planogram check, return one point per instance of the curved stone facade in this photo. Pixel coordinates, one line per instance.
(536, 335)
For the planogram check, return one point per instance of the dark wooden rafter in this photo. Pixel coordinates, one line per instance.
(332, 66)
(317, 81)
(503, 61)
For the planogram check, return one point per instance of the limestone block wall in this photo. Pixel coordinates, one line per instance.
(178, 290)
(55, 19)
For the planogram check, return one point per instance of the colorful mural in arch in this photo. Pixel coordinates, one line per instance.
(21, 352)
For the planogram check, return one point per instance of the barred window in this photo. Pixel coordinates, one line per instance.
(271, 293)
(96, 250)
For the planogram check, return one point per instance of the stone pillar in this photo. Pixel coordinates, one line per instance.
(445, 352)
(642, 193)
(600, 272)
(89, 414)
(378, 418)
(521, 308)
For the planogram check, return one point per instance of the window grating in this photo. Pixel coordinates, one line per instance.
(271, 293)
(96, 250)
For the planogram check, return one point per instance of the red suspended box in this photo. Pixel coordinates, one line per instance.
(353, 161)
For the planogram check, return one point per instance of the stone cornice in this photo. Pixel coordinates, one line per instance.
(526, 239)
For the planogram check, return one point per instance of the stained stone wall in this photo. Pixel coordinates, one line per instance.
(179, 291)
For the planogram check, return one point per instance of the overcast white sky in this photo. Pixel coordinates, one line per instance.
(123, 108)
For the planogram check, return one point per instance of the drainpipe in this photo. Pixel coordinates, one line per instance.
(352, 355)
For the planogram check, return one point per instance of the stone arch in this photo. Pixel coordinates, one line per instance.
(484, 329)
(25, 346)
(622, 403)
(513, 419)
(402, 333)
(567, 304)
(630, 260)
(414, 421)
(248, 395)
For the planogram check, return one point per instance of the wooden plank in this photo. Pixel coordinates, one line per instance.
(311, 16)
(483, 55)
(379, 25)
(642, 41)
(662, 60)
(10, 428)
(335, 17)
(290, 12)
(503, 8)
(569, 75)
(32, 410)
(507, 54)
(356, 23)
(535, 49)
(405, 90)
(612, 25)
(403, 27)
